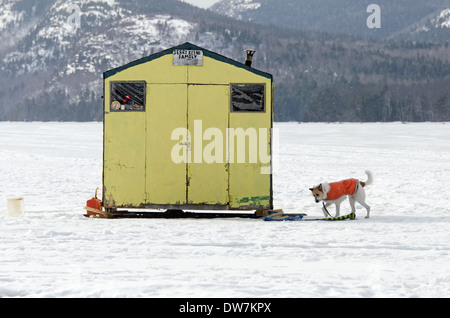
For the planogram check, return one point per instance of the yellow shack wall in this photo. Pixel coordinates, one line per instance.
(137, 167)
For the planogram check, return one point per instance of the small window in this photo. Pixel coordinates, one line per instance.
(248, 98)
(127, 96)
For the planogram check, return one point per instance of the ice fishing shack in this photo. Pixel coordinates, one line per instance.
(187, 129)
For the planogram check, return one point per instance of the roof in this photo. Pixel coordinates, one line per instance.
(186, 46)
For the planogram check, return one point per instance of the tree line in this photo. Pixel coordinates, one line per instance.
(343, 100)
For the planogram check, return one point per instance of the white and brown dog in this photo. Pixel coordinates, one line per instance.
(336, 192)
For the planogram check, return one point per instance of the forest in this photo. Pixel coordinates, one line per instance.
(323, 77)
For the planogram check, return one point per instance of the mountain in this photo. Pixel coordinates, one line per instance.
(54, 53)
(400, 19)
(52, 70)
(433, 28)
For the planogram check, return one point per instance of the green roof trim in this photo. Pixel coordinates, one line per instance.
(186, 46)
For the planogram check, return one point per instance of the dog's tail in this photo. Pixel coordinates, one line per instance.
(369, 178)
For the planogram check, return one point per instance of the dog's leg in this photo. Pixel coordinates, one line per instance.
(338, 209)
(327, 204)
(364, 204)
(338, 205)
(352, 201)
(361, 199)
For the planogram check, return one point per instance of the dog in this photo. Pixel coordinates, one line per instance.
(336, 192)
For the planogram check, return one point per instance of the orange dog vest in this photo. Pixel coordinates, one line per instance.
(344, 187)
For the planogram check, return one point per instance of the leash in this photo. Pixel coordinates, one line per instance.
(351, 216)
(326, 209)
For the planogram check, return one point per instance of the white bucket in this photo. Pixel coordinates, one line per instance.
(15, 207)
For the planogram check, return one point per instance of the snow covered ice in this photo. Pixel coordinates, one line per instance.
(401, 251)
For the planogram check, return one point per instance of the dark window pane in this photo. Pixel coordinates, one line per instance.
(247, 98)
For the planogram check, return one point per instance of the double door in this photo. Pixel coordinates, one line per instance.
(185, 145)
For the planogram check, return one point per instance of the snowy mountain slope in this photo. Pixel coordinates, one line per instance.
(442, 20)
(104, 25)
(436, 26)
(238, 9)
(399, 18)
(17, 18)
(51, 58)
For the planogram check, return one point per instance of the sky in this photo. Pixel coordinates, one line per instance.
(201, 3)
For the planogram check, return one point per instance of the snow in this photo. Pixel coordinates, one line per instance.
(443, 19)
(235, 8)
(8, 15)
(401, 251)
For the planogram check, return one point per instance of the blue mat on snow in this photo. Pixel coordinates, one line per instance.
(283, 218)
